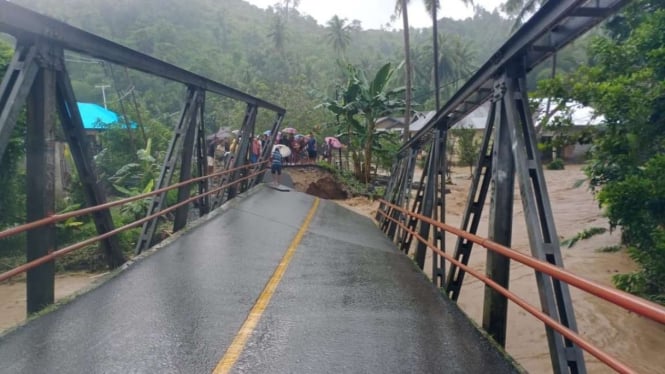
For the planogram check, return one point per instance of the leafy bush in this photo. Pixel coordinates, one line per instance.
(556, 165)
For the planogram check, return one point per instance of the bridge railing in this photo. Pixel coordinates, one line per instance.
(251, 171)
(38, 79)
(627, 301)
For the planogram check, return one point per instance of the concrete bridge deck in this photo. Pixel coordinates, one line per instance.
(347, 302)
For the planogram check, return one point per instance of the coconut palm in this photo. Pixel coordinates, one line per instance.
(339, 34)
(289, 3)
(432, 6)
(278, 33)
(401, 8)
(451, 67)
(520, 9)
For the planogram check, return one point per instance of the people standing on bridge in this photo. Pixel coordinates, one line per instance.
(255, 149)
(327, 151)
(212, 146)
(311, 148)
(286, 141)
(276, 167)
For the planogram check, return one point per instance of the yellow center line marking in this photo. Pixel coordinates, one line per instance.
(238, 344)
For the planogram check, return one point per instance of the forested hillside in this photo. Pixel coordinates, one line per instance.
(283, 57)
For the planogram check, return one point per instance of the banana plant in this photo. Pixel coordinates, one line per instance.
(360, 104)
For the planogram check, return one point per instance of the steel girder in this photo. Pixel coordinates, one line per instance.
(556, 24)
(435, 206)
(474, 206)
(388, 193)
(38, 70)
(196, 125)
(15, 87)
(266, 152)
(181, 135)
(240, 158)
(30, 26)
(40, 186)
(81, 151)
(202, 163)
(399, 194)
(417, 207)
(543, 239)
(497, 267)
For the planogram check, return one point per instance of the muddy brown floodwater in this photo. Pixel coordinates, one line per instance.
(634, 340)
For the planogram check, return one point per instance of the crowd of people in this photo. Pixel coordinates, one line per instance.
(304, 149)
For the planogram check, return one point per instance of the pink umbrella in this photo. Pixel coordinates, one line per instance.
(290, 130)
(334, 142)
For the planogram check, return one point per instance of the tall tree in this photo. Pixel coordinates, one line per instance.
(278, 33)
(432, 6)
(339, 34)
(401, 8)
(289, 3)
(624, 82)
(520, 9)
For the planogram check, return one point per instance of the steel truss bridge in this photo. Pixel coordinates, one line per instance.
(37, 77)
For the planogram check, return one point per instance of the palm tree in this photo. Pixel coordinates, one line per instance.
(278, 33)
(432, 6)
(454, 62)
(339, 34)
(452, 66)
(519, 9)
(293, 3)
(401, 8)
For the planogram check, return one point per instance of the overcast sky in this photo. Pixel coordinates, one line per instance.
(374, 13)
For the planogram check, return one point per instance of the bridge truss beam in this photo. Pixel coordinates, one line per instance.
(555, 25)
(508, 150)
(37, 74)
(38, 70)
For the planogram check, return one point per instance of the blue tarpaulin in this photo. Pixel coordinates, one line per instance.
(97, 117)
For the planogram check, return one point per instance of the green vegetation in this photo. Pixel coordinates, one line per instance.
(360, 104)
(556, 165)
(278, 55)
(623, 80)
(466, 146)
(586, 234)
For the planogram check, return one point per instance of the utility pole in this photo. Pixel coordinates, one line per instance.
(103, 87)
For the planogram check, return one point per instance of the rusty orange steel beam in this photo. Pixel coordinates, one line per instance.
(549, 321)
(55, 254)
(55, 218)
(625, 300)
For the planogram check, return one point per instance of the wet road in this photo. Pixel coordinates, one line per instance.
(348, 302)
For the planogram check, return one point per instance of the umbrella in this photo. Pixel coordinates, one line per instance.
(223, 133)
(284, 150)
(333, 142)
(235, 132)
(298, 136)
(290, 130)
(267, 132)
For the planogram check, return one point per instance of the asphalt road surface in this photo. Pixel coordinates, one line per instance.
(348, 302)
